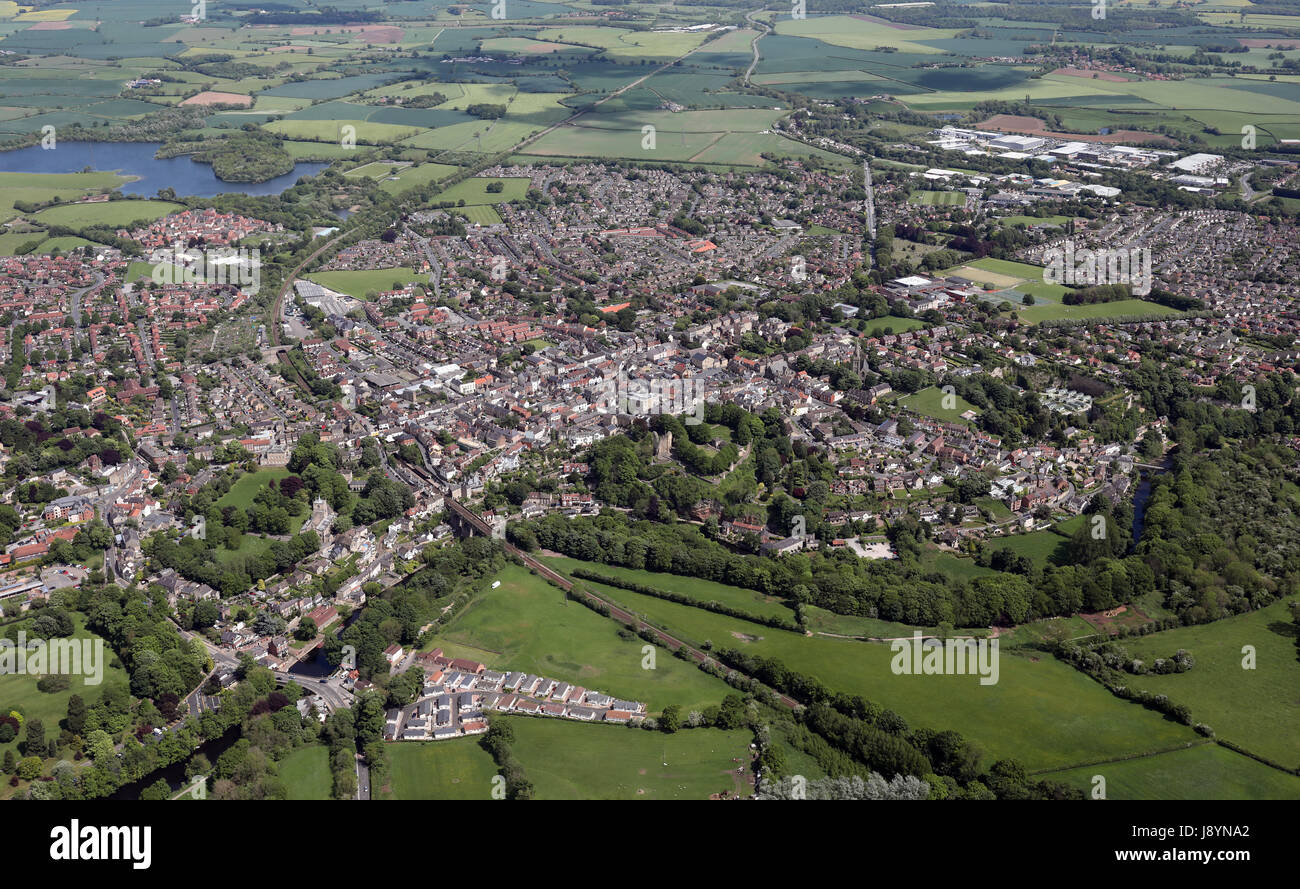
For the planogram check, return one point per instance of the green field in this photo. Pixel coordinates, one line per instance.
(1062, 717)
(457, 769)
(703, 591)
(19, 691)
(358, 283)
(1257, 709)
(937, 198)
(40, 187)
(110, 213)
(527, 624)
(473, 191)
(930, 402)
(1207, 771)
(245, 488)
(306, 773)
(571, 760)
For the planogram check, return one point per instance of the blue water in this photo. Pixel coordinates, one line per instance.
(137, 159)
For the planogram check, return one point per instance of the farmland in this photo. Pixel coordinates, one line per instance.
(529, 625)
(1032, 691)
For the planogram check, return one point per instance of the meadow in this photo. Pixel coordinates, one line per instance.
(1062, 717)
(931, 403)
(527, 624)
(457, 769)
(570, 760)
(305, 773)
(1256, 708)
(1206, 771)
(108, 213)
(19, 691)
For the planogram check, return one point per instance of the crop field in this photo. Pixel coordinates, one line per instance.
(1063, 717)
(358, 283)
(528, 624)
(570, 760)
(458, 769)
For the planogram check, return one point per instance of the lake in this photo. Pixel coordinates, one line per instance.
(137, 159)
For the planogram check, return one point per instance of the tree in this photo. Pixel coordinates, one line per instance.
(35, 743)
(76, 714)
(671, 720)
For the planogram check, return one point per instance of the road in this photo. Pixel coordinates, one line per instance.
(363, 778)
(749, 16)
(288, 283)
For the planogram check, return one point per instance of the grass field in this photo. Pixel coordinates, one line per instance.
(110, 213)
(358, 283)
(937, 198)
(47, 186)
(19, 691)
(245, 488)
(527, 624)
(1062, 717)
(474, 191)
(1207, 771)
(930, 402)
(458, 769)
(571, 760)
(748, 601)
(306, 773)
(891, 324)
(1257, 709)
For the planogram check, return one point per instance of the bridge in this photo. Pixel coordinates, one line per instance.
(475, 524)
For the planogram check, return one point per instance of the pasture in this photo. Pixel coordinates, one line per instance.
(116, 214)
(528, 624)
(457, 769)
(1062, 717)
(570, 760)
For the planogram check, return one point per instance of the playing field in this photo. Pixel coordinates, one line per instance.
(570, 760)
(457, 769)
(360, 282)
(527, 624)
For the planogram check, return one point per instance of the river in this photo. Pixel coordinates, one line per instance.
(1141, 497)
(136, 159)
(174, 774)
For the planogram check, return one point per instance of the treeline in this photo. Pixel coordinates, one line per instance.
(715, 607)
(882, 740)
